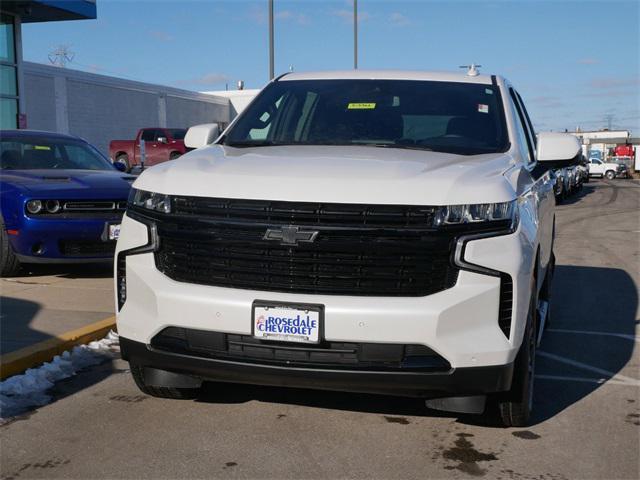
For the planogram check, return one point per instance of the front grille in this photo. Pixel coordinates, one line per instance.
(94, 209)
(335, 355)
(94, 206)
(377, 250)
(86, 248)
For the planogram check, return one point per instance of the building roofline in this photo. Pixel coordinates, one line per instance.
(117, 82)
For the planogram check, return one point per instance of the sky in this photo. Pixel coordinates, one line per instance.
(575, 63)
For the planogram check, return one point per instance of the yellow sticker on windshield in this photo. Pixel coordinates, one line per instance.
(41, 147)
(361, 106)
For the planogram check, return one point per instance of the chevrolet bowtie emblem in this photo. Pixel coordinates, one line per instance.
(290, 235)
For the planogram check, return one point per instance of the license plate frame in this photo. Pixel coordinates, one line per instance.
(113, 231)
(294, 308)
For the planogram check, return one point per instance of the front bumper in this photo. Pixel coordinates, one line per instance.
(44, 240)
(455, 382)
(460, 324)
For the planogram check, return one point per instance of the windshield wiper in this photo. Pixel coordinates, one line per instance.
(261, 143)
(396, 145)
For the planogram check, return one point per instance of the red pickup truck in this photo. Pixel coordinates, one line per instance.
(161, 144)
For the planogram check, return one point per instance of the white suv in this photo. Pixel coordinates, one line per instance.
(371, 231)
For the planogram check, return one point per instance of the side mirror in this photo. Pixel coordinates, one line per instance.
(558, 150)
(163, 140)
(201, 135)
(121, 167)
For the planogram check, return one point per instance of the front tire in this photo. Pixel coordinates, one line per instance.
(610, 175)
(174, 155)
(9, 263)
(515, 406)
(137, 372)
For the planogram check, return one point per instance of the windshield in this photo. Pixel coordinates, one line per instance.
(177, 133)
(462, 118)
(24, 153)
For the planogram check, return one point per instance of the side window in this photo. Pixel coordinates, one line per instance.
(149, 135)
(525, 143)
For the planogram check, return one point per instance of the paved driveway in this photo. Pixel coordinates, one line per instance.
(49, 300)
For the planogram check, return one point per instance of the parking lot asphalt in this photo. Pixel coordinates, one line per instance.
(46, 301)
(587, 404)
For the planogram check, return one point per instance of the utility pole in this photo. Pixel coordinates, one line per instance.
(271, 68)
(355, 34)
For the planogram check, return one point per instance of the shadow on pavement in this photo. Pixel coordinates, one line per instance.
(586, 189)
(80, 270)
(15, 316)
(584, 299)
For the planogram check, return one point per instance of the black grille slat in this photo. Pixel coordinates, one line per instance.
(305, 213)
(86, 248)
(384, 250)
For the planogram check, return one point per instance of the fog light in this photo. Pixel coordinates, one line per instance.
(53, 206)
(34, 206)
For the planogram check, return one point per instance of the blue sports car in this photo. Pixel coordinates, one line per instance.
(61, 201)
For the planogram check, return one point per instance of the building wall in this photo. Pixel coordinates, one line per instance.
(184, 112)
(100, 108)
(239, 99)
(41, 114)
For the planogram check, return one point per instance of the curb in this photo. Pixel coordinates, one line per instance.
(17, 362)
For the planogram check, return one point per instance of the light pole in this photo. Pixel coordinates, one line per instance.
(271, 68)
(355, 34)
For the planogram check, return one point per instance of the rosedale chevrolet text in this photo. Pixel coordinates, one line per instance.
(369, 231)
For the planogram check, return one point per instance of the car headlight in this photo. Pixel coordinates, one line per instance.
(485, 213)
(53, 206)
(34, 206)
(158, 202)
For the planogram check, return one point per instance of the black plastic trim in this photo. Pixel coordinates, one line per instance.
(461, 381)
(121, 259)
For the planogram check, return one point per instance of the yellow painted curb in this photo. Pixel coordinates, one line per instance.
(17, 362)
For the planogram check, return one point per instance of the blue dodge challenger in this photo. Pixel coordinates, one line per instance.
(60, 200)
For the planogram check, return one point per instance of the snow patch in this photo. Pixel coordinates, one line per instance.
(20, 393)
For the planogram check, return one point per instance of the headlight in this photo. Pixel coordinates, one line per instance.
(158, 202)
(477, 213)
(34, 206)
(53, 206)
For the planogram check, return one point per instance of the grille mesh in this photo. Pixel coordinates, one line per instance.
(359, 250)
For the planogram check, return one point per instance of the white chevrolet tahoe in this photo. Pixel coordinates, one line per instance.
(367, 231)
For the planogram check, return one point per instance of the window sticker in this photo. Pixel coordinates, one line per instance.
(488, 91)
(361, 106)
(41, 147)
(482, 108)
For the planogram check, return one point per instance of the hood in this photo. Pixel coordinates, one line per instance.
(353, 174)
(100, 183)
